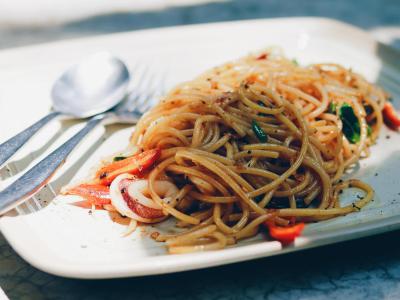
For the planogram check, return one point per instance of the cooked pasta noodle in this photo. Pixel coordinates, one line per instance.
(255, 141)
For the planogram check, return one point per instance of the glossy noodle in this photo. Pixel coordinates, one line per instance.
(258, 141)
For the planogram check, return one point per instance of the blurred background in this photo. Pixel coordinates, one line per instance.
(25, 22)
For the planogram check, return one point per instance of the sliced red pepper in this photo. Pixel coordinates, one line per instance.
(135, 165)
(285, 235)
(262, 56)
(390, 116)
(95, 194)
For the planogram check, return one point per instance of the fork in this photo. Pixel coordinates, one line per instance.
(129, 111)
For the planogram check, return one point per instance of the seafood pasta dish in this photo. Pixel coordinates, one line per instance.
(259, 144)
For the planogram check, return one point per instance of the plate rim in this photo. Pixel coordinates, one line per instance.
(177, 263)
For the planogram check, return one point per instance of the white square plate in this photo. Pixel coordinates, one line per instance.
(65, 240)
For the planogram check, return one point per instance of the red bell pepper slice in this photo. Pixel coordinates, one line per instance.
(285, 235)
(390, 116)
(135, 165)
(94, 194)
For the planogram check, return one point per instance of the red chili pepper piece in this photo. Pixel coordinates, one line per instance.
(390, 116)
(285, 235)
(135, 165)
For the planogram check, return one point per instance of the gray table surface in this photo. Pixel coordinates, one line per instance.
(368, 268)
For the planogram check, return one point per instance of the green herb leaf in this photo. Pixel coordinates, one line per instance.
(259, 132)
(351, 126)
(118, 158)
(332, 108)
(295, 62)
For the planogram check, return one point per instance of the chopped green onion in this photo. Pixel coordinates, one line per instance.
(118, 158)
(263, 105)
(332, 108)
(259, 132)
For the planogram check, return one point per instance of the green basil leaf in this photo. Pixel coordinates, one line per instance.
(351, 126)
(118, 158)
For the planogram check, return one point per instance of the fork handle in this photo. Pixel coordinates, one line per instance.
(9, 147)
(33, 180)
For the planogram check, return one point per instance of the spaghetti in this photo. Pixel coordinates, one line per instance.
(260, 141)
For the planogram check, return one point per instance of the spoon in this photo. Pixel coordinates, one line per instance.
(89, 88)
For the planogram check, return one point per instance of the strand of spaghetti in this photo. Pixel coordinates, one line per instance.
(152, 177)
(256, 107)
(220, 243)
(214, 199)
(196, 138)
(299, 187)
(218, 221)
(202, 175)
(215, 168)
(256, 153)
(295, 165)
(228, 120)
(163, 122)
(190, 236)
(243, 219)
(211, 147)
(252, 227)
(181, 195)
(299, 93)
(356, 206)
(324, 101)
(172, 152)
(267, 198)
(168, 132)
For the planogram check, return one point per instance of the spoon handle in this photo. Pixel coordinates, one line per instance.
(9, 147)
(37, 177)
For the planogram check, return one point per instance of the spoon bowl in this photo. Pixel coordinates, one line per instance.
(91, 87)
